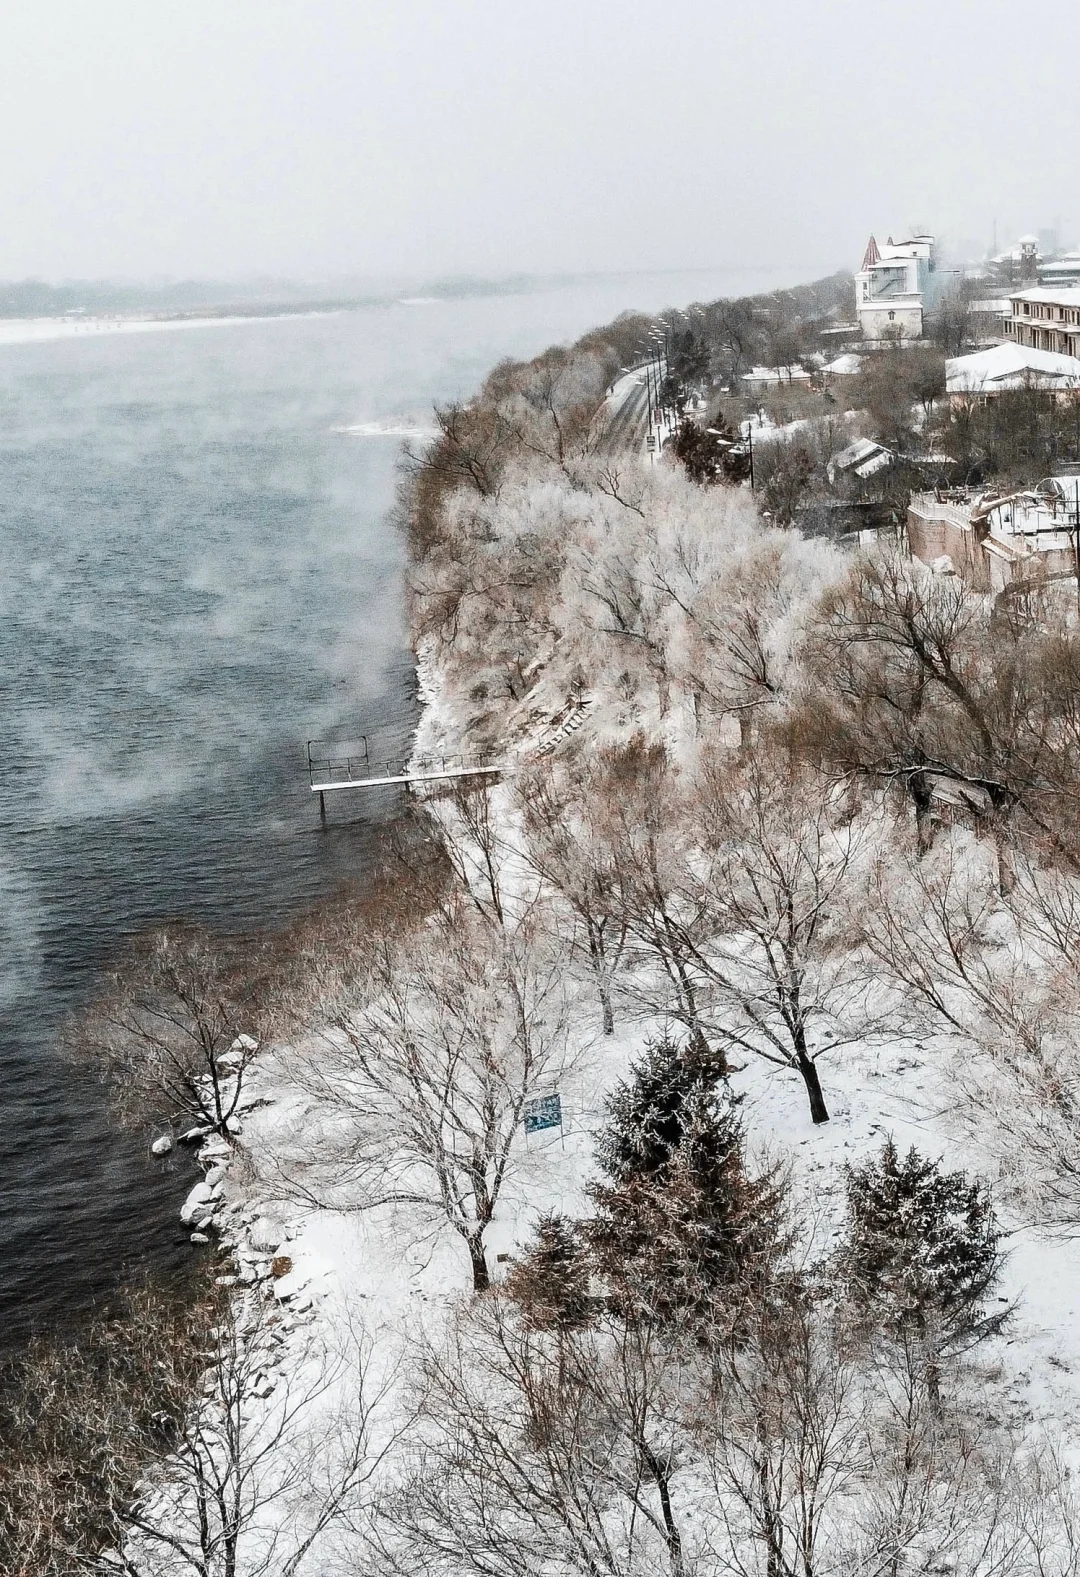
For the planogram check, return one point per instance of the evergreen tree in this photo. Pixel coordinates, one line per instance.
(679, 1225)
(647, 1114)
(921, 1253)
(551, 1280)
(711, 454)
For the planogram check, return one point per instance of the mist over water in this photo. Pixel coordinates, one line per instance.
(196, 575)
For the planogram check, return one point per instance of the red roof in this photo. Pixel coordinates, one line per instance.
(871, 255)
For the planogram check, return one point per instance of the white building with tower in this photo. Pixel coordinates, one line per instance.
(894, 287)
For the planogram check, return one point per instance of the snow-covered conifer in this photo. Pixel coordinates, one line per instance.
(680, 1222)
(551, 1280)
(922, 1253)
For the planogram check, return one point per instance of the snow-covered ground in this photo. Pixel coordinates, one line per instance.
(397, 1267)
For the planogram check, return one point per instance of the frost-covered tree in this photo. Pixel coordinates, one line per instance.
(172, 1036)
(921, 1253)
(680, 1224)
(568, 843)
(550, 1281)
(439, 1033)
(544, 1451)
(774, 946)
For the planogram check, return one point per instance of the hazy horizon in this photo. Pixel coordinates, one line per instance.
(340, 140)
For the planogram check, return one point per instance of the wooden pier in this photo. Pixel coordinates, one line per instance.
(347, 764)
(329, 774)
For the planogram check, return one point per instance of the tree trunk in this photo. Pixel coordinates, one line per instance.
(661, 1478)
(933, 1384)
(607, 1010)
(480, 1279)
(919, 788)
(594, 932)
(819, 1112)
(774, 1560)
(1005, 873)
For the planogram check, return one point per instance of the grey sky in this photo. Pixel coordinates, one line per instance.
(320, 137)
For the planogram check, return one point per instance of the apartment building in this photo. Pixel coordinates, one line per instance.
(1045, 318)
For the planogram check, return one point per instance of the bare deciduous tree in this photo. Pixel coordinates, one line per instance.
(568, 842)
(439, 1035)
(240, 1490)
(775, 946)
(998, 977)
(173, 1036)
(544, 1451)
(177, 1437)
(783, 1433)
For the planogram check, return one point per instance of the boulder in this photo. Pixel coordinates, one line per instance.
(162, 1146)
(265, 1234)
(198, 1206)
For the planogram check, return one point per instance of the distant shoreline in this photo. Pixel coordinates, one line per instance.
(43, 330)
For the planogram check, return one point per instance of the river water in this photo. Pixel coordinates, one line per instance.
(196, 576)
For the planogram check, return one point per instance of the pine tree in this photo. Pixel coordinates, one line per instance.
(646, 1114)
(680, 1225)
(711, 454)
(551, 1280)
(921, 1253)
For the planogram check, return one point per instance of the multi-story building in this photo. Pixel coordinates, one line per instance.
(1046, 318)
(1063, 270)
(1034, 260)
(894, 287)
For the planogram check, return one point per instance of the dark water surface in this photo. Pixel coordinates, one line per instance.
(196, 575)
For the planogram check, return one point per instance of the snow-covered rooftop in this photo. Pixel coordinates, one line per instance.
(1010, 366)
(844, 366)
(1067, 295)
(794, 374)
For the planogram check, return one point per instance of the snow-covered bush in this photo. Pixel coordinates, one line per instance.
(550, 1281)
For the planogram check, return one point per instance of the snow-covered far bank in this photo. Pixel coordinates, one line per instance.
(388, 428)
(37, 331)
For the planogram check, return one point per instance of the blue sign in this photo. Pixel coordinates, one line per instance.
(543, 1111)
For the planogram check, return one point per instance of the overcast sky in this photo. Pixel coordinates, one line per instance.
(316, 138)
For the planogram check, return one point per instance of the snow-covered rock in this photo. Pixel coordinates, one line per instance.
(290, 1286)
(198, 1205)
(162, 1146)
(265, 1234)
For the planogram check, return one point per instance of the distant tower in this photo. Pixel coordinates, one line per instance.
(1029, 259)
